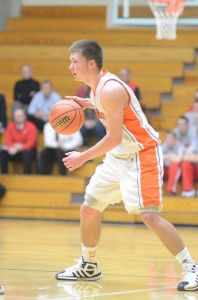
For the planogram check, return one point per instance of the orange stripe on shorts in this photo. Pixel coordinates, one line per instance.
(150, 177)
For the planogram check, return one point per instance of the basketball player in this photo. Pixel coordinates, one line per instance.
(132, 169)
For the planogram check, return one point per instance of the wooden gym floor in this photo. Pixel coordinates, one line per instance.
(134, 263)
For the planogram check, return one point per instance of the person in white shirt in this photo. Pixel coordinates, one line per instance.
(184, 133)
(55, 147)
(192, 115)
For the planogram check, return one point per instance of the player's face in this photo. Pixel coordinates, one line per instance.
(79, 66)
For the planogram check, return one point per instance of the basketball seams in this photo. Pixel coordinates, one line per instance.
(63, 115)
(69, 124)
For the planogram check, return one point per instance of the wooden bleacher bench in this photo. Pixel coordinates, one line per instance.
(164, 123)
(122, 54)
(105, 38)
(184, 92)
(65, 25)
(169, 68)
(43, 183)
(174, 109)
(147, 82)
(80, 12)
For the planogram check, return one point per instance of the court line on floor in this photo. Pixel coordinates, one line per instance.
(130, 292)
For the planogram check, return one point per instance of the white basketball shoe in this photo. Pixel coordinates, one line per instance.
(82, 271)
(1, 290)
(190, 278)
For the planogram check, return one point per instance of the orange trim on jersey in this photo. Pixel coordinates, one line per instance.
(133, 125)
(149, 177)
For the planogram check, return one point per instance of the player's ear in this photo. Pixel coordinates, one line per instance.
(92, 64)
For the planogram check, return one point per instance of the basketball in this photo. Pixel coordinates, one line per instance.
(66, 117)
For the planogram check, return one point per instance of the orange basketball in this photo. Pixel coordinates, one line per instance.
(66, 117)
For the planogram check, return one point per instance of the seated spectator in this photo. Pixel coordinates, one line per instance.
(184, 134)
(3, 117)
(41, 104)
(172, 153)
(25, 89)
(190, 166)
(2, 190)
(92, 126)
(21, 137)
(125, 76)
(192, 115)
(56, 145)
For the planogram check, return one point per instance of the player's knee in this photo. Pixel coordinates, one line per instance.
(87, 212)
(149, 219)
(94, 203)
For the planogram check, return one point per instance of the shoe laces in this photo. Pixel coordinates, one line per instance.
(76, 267)
(189, 268)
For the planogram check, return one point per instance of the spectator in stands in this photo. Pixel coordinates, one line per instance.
(190, 166)
(56, 145)
(125, 76)
(172, 153)
(3, 117)
(21, 137)
(2, 190)
(92, 126)
(41, 104)
(184, 134)
(192, 115)
(25, 89)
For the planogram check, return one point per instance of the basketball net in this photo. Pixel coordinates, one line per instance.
(166, 13)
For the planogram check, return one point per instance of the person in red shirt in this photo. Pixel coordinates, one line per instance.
(21, 137)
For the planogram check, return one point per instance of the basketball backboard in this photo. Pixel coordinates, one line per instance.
(133, 13)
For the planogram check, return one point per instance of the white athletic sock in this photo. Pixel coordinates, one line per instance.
(184, 256)
(89, 253)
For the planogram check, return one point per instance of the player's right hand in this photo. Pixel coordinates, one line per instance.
(84, 103)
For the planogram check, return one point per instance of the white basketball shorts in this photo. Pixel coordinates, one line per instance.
(136, 181)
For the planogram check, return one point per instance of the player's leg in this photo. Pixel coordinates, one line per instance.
(103, 185)
(146, 171)
(173, 242)
(164, 230)
(87, 268)
(90, 218)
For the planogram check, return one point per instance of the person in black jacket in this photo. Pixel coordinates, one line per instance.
(25, 89)
(3, 117)
(2, 190)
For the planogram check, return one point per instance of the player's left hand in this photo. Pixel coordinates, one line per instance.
(73, 160)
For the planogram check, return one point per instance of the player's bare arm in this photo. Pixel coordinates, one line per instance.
(114, 100)
(83, 102)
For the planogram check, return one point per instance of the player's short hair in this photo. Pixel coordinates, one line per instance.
(90, 50)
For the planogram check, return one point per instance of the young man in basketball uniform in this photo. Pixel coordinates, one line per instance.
(132, 170)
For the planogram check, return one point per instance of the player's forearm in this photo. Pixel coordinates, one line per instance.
(103, 146)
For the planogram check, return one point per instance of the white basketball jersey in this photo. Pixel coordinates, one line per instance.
(137, 134)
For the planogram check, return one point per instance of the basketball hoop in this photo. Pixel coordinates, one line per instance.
(166, 13)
